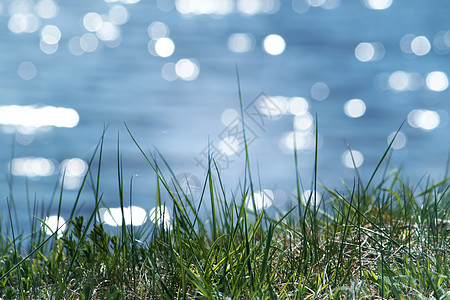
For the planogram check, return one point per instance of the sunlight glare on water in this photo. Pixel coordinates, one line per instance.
(393, 58)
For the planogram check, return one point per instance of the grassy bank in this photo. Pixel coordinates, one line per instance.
(371, 240)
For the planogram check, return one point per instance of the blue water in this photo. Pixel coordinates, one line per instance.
(111, 86)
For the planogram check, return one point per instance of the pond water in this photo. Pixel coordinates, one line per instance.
(168, 70)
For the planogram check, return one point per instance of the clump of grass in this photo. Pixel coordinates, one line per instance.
(383, 240)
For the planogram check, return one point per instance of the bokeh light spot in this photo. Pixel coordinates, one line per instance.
(262, 200)
(187, 69)
(405, 43)
(298, 106)
(48, 48)
(437, 81)
(304, 140)
(399, 142)
(313, 198)
(355, 108)
(320, 91)
(399, 81)
(228, 116)
(23, 23)
(74, 46)
(352, 159)
(164, 47)
(108, 32)
(161, 216)
(273, 107)
(92, 21)
(157, 30)
(303, 122)
(378, 4)
(300, 6)
(364, 52)
(168, 72)
(27, 70)
(32, 167)
(420, 46)
(118, 14)
(51, 34)
(47, 9)
(274, 44)
(229, 145)
(72, 172)
(316, 3)
(53, 223)
(424, 119)
(88, 42)
(241, 42)
(115, 216)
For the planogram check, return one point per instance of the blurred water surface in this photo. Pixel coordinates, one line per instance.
(167, 69)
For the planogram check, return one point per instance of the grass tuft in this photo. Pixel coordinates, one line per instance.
(386, 239)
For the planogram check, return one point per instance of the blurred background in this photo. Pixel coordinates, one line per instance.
(167, 68)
